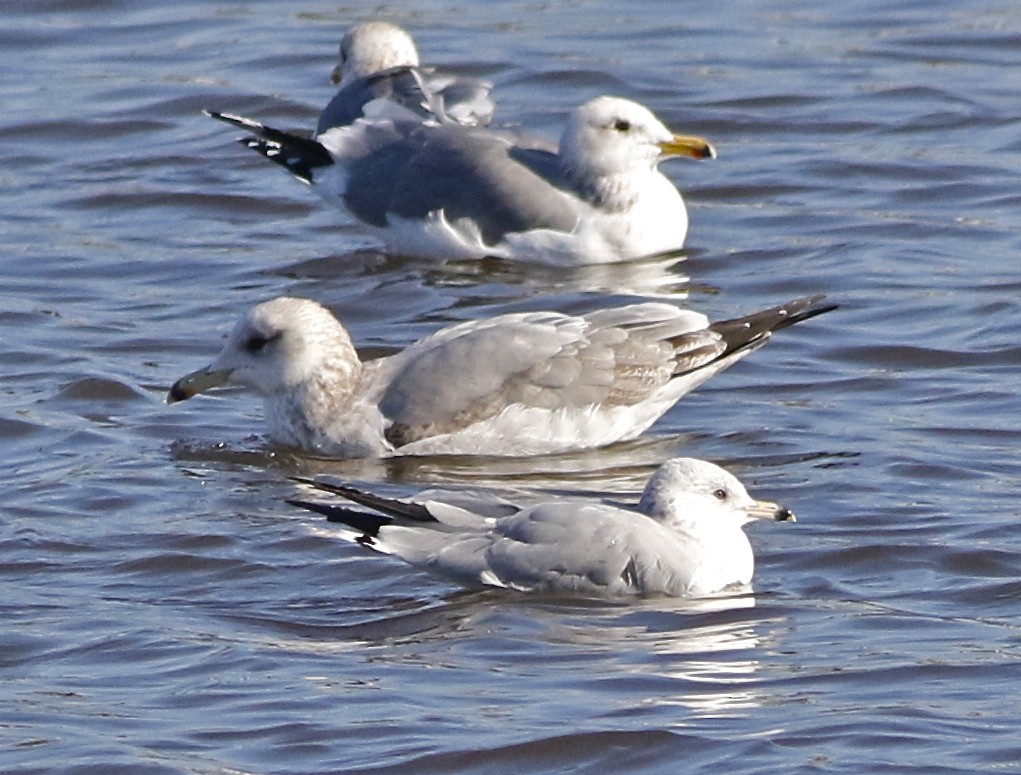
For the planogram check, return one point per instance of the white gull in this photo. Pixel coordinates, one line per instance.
(684, 538)
(456, 192)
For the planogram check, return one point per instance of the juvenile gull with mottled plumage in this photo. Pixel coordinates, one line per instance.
(683, 539)
(517, 384)
(450, 191)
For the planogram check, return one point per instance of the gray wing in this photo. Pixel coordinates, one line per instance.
(412, 170)
(479, 175)
(461, 99)
(442, 504)
(416, 93)
(701, 346)
(398, 86)
(583, 549)
(375, 179)
(554, 547)
(471, 372)
(686, 335)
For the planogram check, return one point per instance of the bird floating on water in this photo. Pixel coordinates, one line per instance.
(683, 539)
(379, 75)
(517, 384)
(456, 192)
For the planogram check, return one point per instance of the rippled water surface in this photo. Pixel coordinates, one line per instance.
(165, 611)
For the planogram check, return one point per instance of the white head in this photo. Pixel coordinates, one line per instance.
(371, 47)
(276, 346)
(697, 494)
(610, 135)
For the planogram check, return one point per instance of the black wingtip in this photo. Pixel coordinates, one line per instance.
(751, 329)
(389, 506)
(300, 155)
(366, 524)
(802, 309)
(234, 120)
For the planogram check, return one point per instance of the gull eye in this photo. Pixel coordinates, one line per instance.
(257, 342)
(720, 494)
(622, 125)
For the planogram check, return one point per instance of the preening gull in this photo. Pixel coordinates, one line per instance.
(456, 192)
(517, 384)
(380, 76)
(683, 539)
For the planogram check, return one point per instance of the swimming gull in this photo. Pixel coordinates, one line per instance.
(380, 76)
(517, 384)
(456, 192)
(683, 539)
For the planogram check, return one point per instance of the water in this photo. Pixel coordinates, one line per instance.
(166, 612)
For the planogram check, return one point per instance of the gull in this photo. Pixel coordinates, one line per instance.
(513, 385)
(379, 75)
(683, 539)
(455, 192)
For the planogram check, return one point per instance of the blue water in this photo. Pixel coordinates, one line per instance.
(166, 612)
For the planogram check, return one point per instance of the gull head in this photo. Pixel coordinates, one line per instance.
(610, 136)
(277, 347)
(371, 47)
(701, 495)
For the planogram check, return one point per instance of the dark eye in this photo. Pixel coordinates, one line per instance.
(622, 125)
(720, 494)
(256, 342)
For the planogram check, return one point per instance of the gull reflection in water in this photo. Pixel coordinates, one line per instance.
(706, 650)
(643, 656)
(658, 276)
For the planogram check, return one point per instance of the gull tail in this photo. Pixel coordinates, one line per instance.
(301, 156)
